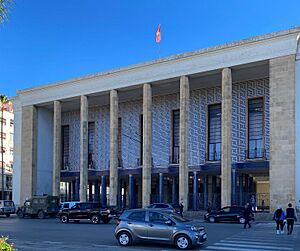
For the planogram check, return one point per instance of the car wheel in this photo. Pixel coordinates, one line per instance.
(212, 219)
(7, 215)
(183, 242)
(124, 238)
(64, 218)
(95, 219)
(106, 220)
(41, 214)
(242, 220)
(20, 214)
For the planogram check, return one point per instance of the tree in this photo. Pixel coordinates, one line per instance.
(5, 6)
(3, 104)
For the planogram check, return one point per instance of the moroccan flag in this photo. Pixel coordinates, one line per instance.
(158, 36)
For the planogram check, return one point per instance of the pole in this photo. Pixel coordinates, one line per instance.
(2, 149)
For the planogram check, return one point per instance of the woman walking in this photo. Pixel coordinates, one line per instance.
(279, 218)
(290, 218)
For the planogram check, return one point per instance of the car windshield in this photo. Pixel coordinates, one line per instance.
(8, 203)
(178, 218)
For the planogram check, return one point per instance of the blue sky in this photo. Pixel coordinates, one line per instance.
(50, 40)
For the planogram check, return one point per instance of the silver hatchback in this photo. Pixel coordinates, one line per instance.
(155, 225)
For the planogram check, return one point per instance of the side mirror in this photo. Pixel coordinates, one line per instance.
(168, 222)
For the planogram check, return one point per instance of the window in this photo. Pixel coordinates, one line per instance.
(157, 218)
(11, 151)
(137, 216)
(2, 149)
(11, 123)
(120, 142)
(255, 128)
(3, 135)
(161, 206)
(141, 140)
(3, 121)
(175, 137)
(65, 147)
(214, 132)
(91, 142)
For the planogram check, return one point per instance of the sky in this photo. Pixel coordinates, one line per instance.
(45, 41)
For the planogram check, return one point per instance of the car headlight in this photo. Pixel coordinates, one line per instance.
(194, 229)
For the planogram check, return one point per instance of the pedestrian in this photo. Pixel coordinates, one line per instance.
(263, 205)
(247, 215)
(181, 206)
(279, 218)
(253, 202)
(290, 216)
(209, 208)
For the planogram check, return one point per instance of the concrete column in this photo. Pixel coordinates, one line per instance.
(205, 197)
(161, 187)
(83, 148)
(113, 171)
(195, 191)
(282, 131)
(103, 191)
(28, 153)
(183, 141)
(174, 189)
(226, 137)
(57, 151)
(147, 144)
(97, 191)
(131, 188)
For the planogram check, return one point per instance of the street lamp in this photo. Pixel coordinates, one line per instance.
(3, 104)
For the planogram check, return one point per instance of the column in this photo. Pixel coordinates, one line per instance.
(183, 141)
(97, 191)
(131, 191)
(103, 191)
(174, 189)
(233, 186)
(28, 152)
(147, 144)
(205, 196)
(113, 171)
(241, 184)
(119, 196)
(161, 187)
(195, 191)
(226, 137)
(77, 185)
(282, 131)
(90, 191)
(83, 148)
(214, 192)
(57, 153)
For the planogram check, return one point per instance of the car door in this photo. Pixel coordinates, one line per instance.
(137, 224)
(74, 212)
(157, 227)
(223, 214)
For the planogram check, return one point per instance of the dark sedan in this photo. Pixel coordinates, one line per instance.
(226, 214)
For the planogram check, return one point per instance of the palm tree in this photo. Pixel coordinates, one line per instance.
(5, 6)
(3, 102)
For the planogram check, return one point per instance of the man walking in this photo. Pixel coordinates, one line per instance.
(290, 218)
(279, 217)
(247, 215)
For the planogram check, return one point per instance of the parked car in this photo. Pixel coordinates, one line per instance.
(40, 206)
(68, 204)
(85, 211)
(161, 226)
(166, 206)
(230, 213)
(7, 207)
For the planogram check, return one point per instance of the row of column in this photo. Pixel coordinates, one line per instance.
(147, 143)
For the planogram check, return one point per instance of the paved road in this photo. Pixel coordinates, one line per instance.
(50, 234)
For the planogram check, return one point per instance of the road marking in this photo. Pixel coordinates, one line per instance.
(251, 245)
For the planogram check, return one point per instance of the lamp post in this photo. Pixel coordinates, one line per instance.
(3, 102)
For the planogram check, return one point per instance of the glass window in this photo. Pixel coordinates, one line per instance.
(157, 217)
(137, 216)
(255, 128)
(161, 206)
(214, 132)
(175, 137)
(65, 147)
(91, 140)
(141, 140)
(120, 142)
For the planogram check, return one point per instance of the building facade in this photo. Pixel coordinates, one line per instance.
(218, 126)
(7, 151)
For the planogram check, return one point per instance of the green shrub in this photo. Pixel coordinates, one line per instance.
(5, 246)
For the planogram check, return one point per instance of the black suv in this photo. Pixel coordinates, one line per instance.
(85, 211)
(231, 213)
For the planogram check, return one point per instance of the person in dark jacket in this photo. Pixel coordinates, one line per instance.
(247, 215)
(181, 206)
(290, 216)
(279, 218)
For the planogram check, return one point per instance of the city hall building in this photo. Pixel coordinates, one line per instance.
(218, 125)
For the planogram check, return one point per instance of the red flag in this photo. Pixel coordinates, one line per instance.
(158, 36)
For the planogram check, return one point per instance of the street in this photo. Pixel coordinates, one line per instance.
(51, 234)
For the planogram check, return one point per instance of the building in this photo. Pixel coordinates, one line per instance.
(7, 137)
(216, 125)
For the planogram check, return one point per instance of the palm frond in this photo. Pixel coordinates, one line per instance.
(5, 6)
